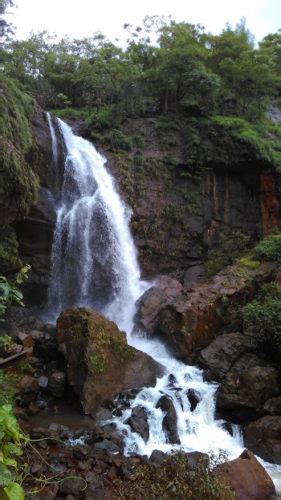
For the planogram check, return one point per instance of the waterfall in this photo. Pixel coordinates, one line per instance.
(53, 138)
(94, 260)
(94, 263)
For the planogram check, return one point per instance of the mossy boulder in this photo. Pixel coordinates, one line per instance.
(100, 364)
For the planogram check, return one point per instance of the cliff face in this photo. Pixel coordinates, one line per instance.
(181, 213)
(35, 231)
(190, 195)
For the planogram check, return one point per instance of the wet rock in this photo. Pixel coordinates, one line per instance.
(107, 445)
(193, 398)
(157, 457)
(28, 385)
(244, 393)
(43, 382)
(26, 340)
(263, 437)
(188, 321)
(72, 485)
(196, 458)
(222, 353)
(57, 383)
(273, 406)
(138, 422)
(170, 419)
(100, 364)
(33, 409)
(149, 305)
(246, 477)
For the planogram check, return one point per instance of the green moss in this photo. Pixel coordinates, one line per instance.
(18, 182)
(249, 262)
(97, 363)
(9, 246)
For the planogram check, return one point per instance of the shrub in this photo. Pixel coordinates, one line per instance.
(174, 480)
(269, 249)
(118, 140)
(249, 262)
(228, 248)
(262, 320)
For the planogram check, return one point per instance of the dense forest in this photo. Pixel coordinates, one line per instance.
(164, 68)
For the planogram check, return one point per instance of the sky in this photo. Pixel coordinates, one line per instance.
(79, 18)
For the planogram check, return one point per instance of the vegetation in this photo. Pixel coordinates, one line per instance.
(174, 480)
(269, 249)
(222, 81)
(227, 249)
(262, 321)
(11, 438)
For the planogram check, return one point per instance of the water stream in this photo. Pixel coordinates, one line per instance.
(94, 263)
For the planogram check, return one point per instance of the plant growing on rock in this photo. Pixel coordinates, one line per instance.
(11, 441)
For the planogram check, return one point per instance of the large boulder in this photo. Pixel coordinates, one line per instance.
(246, 477)
(100, 364)
(263, 437)
(188, 320)
(165, 290)
(244, 392)
(222, 353)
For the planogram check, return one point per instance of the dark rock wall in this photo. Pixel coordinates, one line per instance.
(178, 214)
(35, 231)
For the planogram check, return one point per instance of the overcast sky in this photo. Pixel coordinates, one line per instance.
(80, 18)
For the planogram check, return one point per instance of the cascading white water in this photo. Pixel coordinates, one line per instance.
(94, 260)
(94, 263)
(54, 139)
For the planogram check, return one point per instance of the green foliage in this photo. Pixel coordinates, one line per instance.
(118, 140)
(11, 441)
(5, 342)
(269, 249)
(262, 321)
(249, 262)
(9, 292)
(9, 246)
(18, 182)
(174, 480)
(228, 248)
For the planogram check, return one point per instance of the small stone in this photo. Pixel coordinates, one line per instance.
(43, 382)
(33, 409)
(36, 334)
(73, 485)
(28, 384)
(57, 383)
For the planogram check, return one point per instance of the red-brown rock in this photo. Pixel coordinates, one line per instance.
(263, 436)
(246, 477)
(189, 320)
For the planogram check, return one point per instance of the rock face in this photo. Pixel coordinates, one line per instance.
(100, 364)
(264, 437)
(35, 232)
(245, 392)
(165, 290)
(169, 423)
(222, 353)
(246, 477)
(188, 320)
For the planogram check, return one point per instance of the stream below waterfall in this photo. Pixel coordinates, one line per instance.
(94, 263)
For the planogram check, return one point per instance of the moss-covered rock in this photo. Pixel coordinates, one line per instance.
(100, 364)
